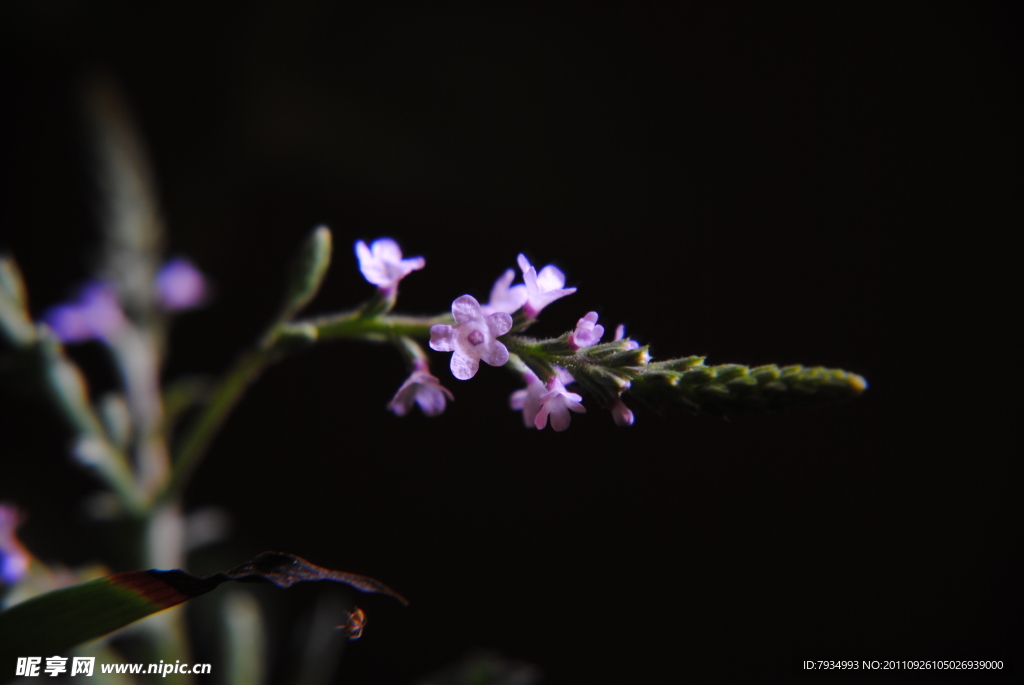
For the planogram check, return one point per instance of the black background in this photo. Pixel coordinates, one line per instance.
(773, 184)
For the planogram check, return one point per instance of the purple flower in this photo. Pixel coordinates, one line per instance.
(423, 389)
(620, 333)
(95, 314)
(542, 289)
(557, 403)
(472, 338)
(588, 332)
(14, 559)
(506, 297)
(383, 266)
(527, 400)
(180, 285)
(621, 413)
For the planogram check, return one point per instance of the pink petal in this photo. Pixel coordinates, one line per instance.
(442, 337)
(518, 399)
(401, 403)
(431, 399)
(495, 354)
(621, 413)
(499, 323)
(560, 418)
(524, 263)
(466, 309)
(541, 419)
(413, 264)
(386, 250)
(550, 278)
(464, 367)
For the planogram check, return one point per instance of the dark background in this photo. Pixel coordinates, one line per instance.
(770, 184)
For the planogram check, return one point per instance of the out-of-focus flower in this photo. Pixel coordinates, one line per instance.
(527, 400)
(620, 333)
(588, 332)
(506, 297)
(472, 338)
(14, 559)
(621, 413)
(383, 266)
(423, 389)
(180, 285)
(542, 288)
(557, 403)
(94, 314)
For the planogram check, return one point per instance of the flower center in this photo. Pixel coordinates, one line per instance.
(475, 337)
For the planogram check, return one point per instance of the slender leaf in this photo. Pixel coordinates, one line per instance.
(57, 621)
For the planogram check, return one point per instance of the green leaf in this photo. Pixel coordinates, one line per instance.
(306, 272)
(57, 621)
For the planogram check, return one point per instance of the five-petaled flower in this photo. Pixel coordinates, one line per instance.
(383, 266)
(557, 403)
(423, 389)
(472, 338)
(542, 288)
(588, 332)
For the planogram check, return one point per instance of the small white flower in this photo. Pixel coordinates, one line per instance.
(472, 338)
(527, 400)
(506, 297)
(423, 389)
(542, 289)
(557, 403)
(382, 263)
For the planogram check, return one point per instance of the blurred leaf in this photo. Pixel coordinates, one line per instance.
(245, 643)
(57, 621)
(130, 216)
(15, 324)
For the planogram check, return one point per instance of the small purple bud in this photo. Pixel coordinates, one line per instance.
(180, 285)
(588, 332)
(621, 413)
(95, 314)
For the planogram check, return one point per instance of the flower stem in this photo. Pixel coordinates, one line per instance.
(354, 326)
(225, 396)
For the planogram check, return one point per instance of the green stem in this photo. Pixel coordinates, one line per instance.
(224, 398)
(354, 326)
(349, 325)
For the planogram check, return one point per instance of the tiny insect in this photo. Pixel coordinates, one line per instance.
(354, 624)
